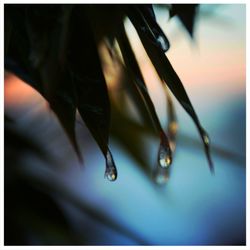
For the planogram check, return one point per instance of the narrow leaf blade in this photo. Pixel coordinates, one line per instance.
(169, 76)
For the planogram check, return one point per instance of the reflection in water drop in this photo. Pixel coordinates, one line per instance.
(164, 45)
(110, 172)
(206, 139)
(164, 160)
(164, 153)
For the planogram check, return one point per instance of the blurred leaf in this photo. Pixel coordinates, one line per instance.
(222, 152)
(167, 74)
(53, 48)
(48, 31)
(7, 31)
(34, 218)
(15, 140)
(148, 25)
(134, 70)
(186, 13)
(105, 20)
(92, 93)
(17, 50)
(148, 14)
(124, 134)
(127, 82)
(40, 58)
(136, 76)
(93, 212)
(33, 215)
(172, 121)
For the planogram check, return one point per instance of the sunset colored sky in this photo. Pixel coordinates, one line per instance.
(213, 65)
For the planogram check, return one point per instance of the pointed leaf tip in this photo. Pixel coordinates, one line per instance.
(111, 171)
(187, 14)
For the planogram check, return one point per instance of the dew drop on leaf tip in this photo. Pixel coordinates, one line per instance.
(110, 172)
(162, 43)
(164, 156)
(206, 138)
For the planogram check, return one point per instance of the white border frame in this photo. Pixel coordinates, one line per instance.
(2, 2)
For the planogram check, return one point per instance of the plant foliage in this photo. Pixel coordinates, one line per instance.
(54, 48)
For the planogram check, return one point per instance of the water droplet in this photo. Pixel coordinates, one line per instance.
(163, 43)
(206, 138)
(110, 172)
(164, 155)
(206, 141)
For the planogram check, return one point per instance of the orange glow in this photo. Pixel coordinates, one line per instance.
(18, 93)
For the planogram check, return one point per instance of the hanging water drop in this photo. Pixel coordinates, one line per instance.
(110, 172)
(164, 153)
(206, 139)
(206, 142)
(163, 43)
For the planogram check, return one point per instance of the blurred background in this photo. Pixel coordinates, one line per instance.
(60, 201)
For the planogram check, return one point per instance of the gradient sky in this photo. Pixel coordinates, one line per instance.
(213, 63)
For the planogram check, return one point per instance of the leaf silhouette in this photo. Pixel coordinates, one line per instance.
(40, 58)
(152, 26)
(186, 13)
(105, 20)
(134, 70)
(54, 49)
(169, 76)
(92, 94)
(17, 49)
(148, 25)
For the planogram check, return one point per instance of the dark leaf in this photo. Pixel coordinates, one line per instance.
(37, 54)
(7, 31)
(148, 14)
(131, 63)
(105, 20)
(186, 13)
(128, 132)
(135, 73)
(148, 25)
(130, 89)
(48, 32)
(123, 134)
(32, 198)
(167, 74)
(17, 50)
(30, 213)
(92, 94)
